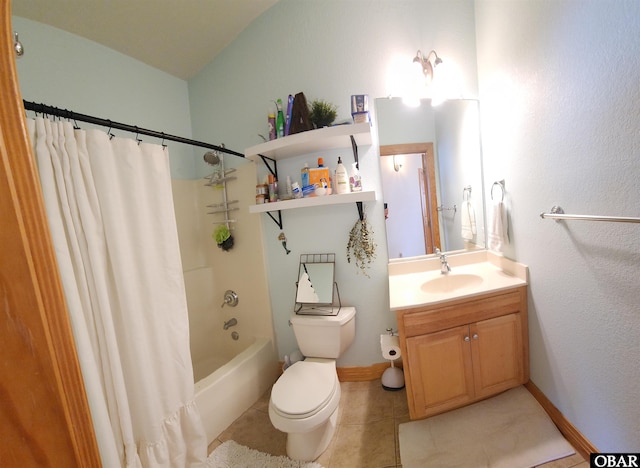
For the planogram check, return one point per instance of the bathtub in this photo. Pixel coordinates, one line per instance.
(231, 389)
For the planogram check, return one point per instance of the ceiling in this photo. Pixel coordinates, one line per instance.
(177, 36)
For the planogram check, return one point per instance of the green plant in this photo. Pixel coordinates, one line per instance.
(322, 113)
(361, 247)
(223, 237)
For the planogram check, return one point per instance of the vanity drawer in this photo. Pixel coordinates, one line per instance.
(419, 321)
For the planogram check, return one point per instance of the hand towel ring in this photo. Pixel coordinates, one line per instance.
(501, 185)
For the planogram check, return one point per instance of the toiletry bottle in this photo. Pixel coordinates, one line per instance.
(287, 117)
(289, 189)
(320, 162)
(280, 119)
(297, 191)
(355, 182)
(342, 178)
(272, 125)
(304, 175)
(273, 189)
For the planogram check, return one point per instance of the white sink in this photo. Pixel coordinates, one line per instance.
(451, 283)
(418, 281)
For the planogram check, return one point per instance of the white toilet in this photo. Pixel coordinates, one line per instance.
(304, 400)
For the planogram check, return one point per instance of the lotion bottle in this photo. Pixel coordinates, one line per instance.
(342, 178)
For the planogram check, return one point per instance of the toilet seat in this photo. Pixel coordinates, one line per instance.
(304, 388)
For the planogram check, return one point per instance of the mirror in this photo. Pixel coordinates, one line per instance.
(315, 283)
(431, 165)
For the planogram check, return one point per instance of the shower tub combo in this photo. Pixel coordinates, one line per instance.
(232, 367)
(230, 390)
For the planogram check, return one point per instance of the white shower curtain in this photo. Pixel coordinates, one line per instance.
(110, 209)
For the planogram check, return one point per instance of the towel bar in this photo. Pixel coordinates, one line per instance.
(557, 213)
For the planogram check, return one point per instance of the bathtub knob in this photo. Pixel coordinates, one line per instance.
(230, 298)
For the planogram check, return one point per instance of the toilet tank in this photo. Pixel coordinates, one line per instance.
(325, 336)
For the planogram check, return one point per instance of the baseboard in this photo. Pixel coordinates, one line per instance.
(363, 373)
(568, 430)
(359, 373)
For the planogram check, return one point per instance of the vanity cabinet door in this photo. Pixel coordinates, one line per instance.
(498, 354)
(440, 371)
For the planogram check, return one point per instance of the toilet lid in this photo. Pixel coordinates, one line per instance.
(304, 388)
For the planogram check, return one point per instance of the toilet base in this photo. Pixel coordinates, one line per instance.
(307, 446)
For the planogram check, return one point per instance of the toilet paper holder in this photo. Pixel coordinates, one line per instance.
(390, 346)
(393, 377)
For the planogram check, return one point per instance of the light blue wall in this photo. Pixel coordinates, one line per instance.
(64, 70)
(327, 49)
(560, 99)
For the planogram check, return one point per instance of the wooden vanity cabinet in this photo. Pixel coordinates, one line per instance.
(465, 350)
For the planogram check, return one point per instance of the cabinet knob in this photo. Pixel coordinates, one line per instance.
(466, 338)
(475, 336)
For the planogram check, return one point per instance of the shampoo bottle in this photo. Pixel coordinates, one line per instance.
(342, 178)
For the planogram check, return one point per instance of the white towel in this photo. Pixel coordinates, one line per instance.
(468, 220)
(498, 235)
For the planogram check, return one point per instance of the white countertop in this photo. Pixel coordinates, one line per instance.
(407, 277)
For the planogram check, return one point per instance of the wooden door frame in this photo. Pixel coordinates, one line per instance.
(430, 220)
(44, 417)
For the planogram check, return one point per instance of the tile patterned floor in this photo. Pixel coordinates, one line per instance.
(367, 433)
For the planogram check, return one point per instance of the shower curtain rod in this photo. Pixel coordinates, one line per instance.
(67, 114)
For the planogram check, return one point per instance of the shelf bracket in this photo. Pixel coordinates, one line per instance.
(360, 210)
(277, 221)
(355, 151)
(355, 157)
(271, 165)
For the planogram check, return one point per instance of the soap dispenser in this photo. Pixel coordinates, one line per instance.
(355, 182)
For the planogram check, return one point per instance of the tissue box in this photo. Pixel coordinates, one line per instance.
(361, 117)
(359, 103)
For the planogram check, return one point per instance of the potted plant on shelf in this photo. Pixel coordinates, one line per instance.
(223, 237)
(322, 113)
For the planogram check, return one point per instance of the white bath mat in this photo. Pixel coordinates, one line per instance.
(233, 455)
(510, 430)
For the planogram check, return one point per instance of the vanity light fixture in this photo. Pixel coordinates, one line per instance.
(428, 64)
(422, 81)
(396, 165)
(17, 45)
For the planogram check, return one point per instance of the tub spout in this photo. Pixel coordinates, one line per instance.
(230, 323)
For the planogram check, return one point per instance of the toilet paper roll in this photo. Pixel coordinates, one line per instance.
(390, 345)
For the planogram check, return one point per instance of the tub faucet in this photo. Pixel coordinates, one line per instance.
(230, 323)
(444, 266)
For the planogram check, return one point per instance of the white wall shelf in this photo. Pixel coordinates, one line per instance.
(314, 201)
(321, 139)
(311, 141)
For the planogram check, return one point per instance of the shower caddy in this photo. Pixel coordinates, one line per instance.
(219, 178)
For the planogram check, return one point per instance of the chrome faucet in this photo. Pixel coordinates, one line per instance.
(444, 266)
(230, 323)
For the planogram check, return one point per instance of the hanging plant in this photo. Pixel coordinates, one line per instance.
(361, 247)
(223, 237)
